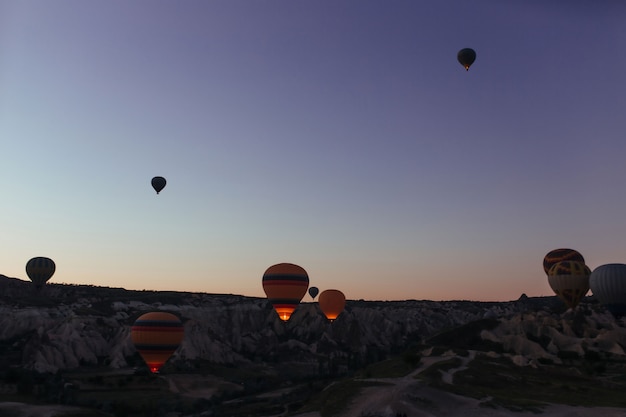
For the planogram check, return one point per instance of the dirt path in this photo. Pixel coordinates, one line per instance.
(448, 376)
(408, 395)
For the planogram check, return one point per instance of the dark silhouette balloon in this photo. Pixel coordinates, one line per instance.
(156, 337)
(332, 303)
(313, 291)
(285, 284)
(40, 270)
(466, 57)
(158, 183)
(559, 255)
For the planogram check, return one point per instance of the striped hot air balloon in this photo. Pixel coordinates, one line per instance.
(156, 337)
(285, 284)
(570, 281)
(559, 255)
(332, 303)
(40, 270)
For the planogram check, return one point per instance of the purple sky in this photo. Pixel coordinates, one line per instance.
(342, 136)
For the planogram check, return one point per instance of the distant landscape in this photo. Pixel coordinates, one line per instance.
(66, 351)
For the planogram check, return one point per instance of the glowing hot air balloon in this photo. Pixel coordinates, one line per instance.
(608, 284)
(570, 281)
(158, 183)
(466, 57)
(40, 270)
(313, 291)
(332, 303)
(285, 284)
(558, 255)
(156, 337)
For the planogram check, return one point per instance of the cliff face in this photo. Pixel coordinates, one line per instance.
(553, 337)
(69, 326)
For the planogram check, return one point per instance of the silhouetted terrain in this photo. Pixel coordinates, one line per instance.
(70, 345)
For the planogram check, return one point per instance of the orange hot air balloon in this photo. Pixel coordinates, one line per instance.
(332, 303)
(285, 284)
(156, 337)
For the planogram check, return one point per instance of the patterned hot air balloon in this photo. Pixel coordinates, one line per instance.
(156, 337)
(466, 57)
(40, 270)
(285, 284)
(558, 255)
(313, 291)
(158, 183)
(332, 303)
(570, 281)
(608, 284)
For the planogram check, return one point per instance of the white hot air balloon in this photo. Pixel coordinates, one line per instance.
(608, 284)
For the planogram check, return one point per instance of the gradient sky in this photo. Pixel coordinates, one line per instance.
(342, 136)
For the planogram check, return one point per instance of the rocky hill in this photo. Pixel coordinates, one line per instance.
(65, 327)
(240, 342)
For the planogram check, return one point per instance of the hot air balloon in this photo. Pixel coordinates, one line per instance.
(558, 255)
(156, 337)
(40, 270)
(608, 284)
(570, 281)
(332, 303)
(158, 183)
(313, 291)
(285, 284)
(466, 57)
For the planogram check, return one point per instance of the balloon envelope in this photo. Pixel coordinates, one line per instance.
(158, 183)
(466, 57)
(40, 270)
(570, 281)
(569, 268)
(332, 303)
(156, 337)
(608, 284)
(558, 255)
(285, 284)
(313, 291)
